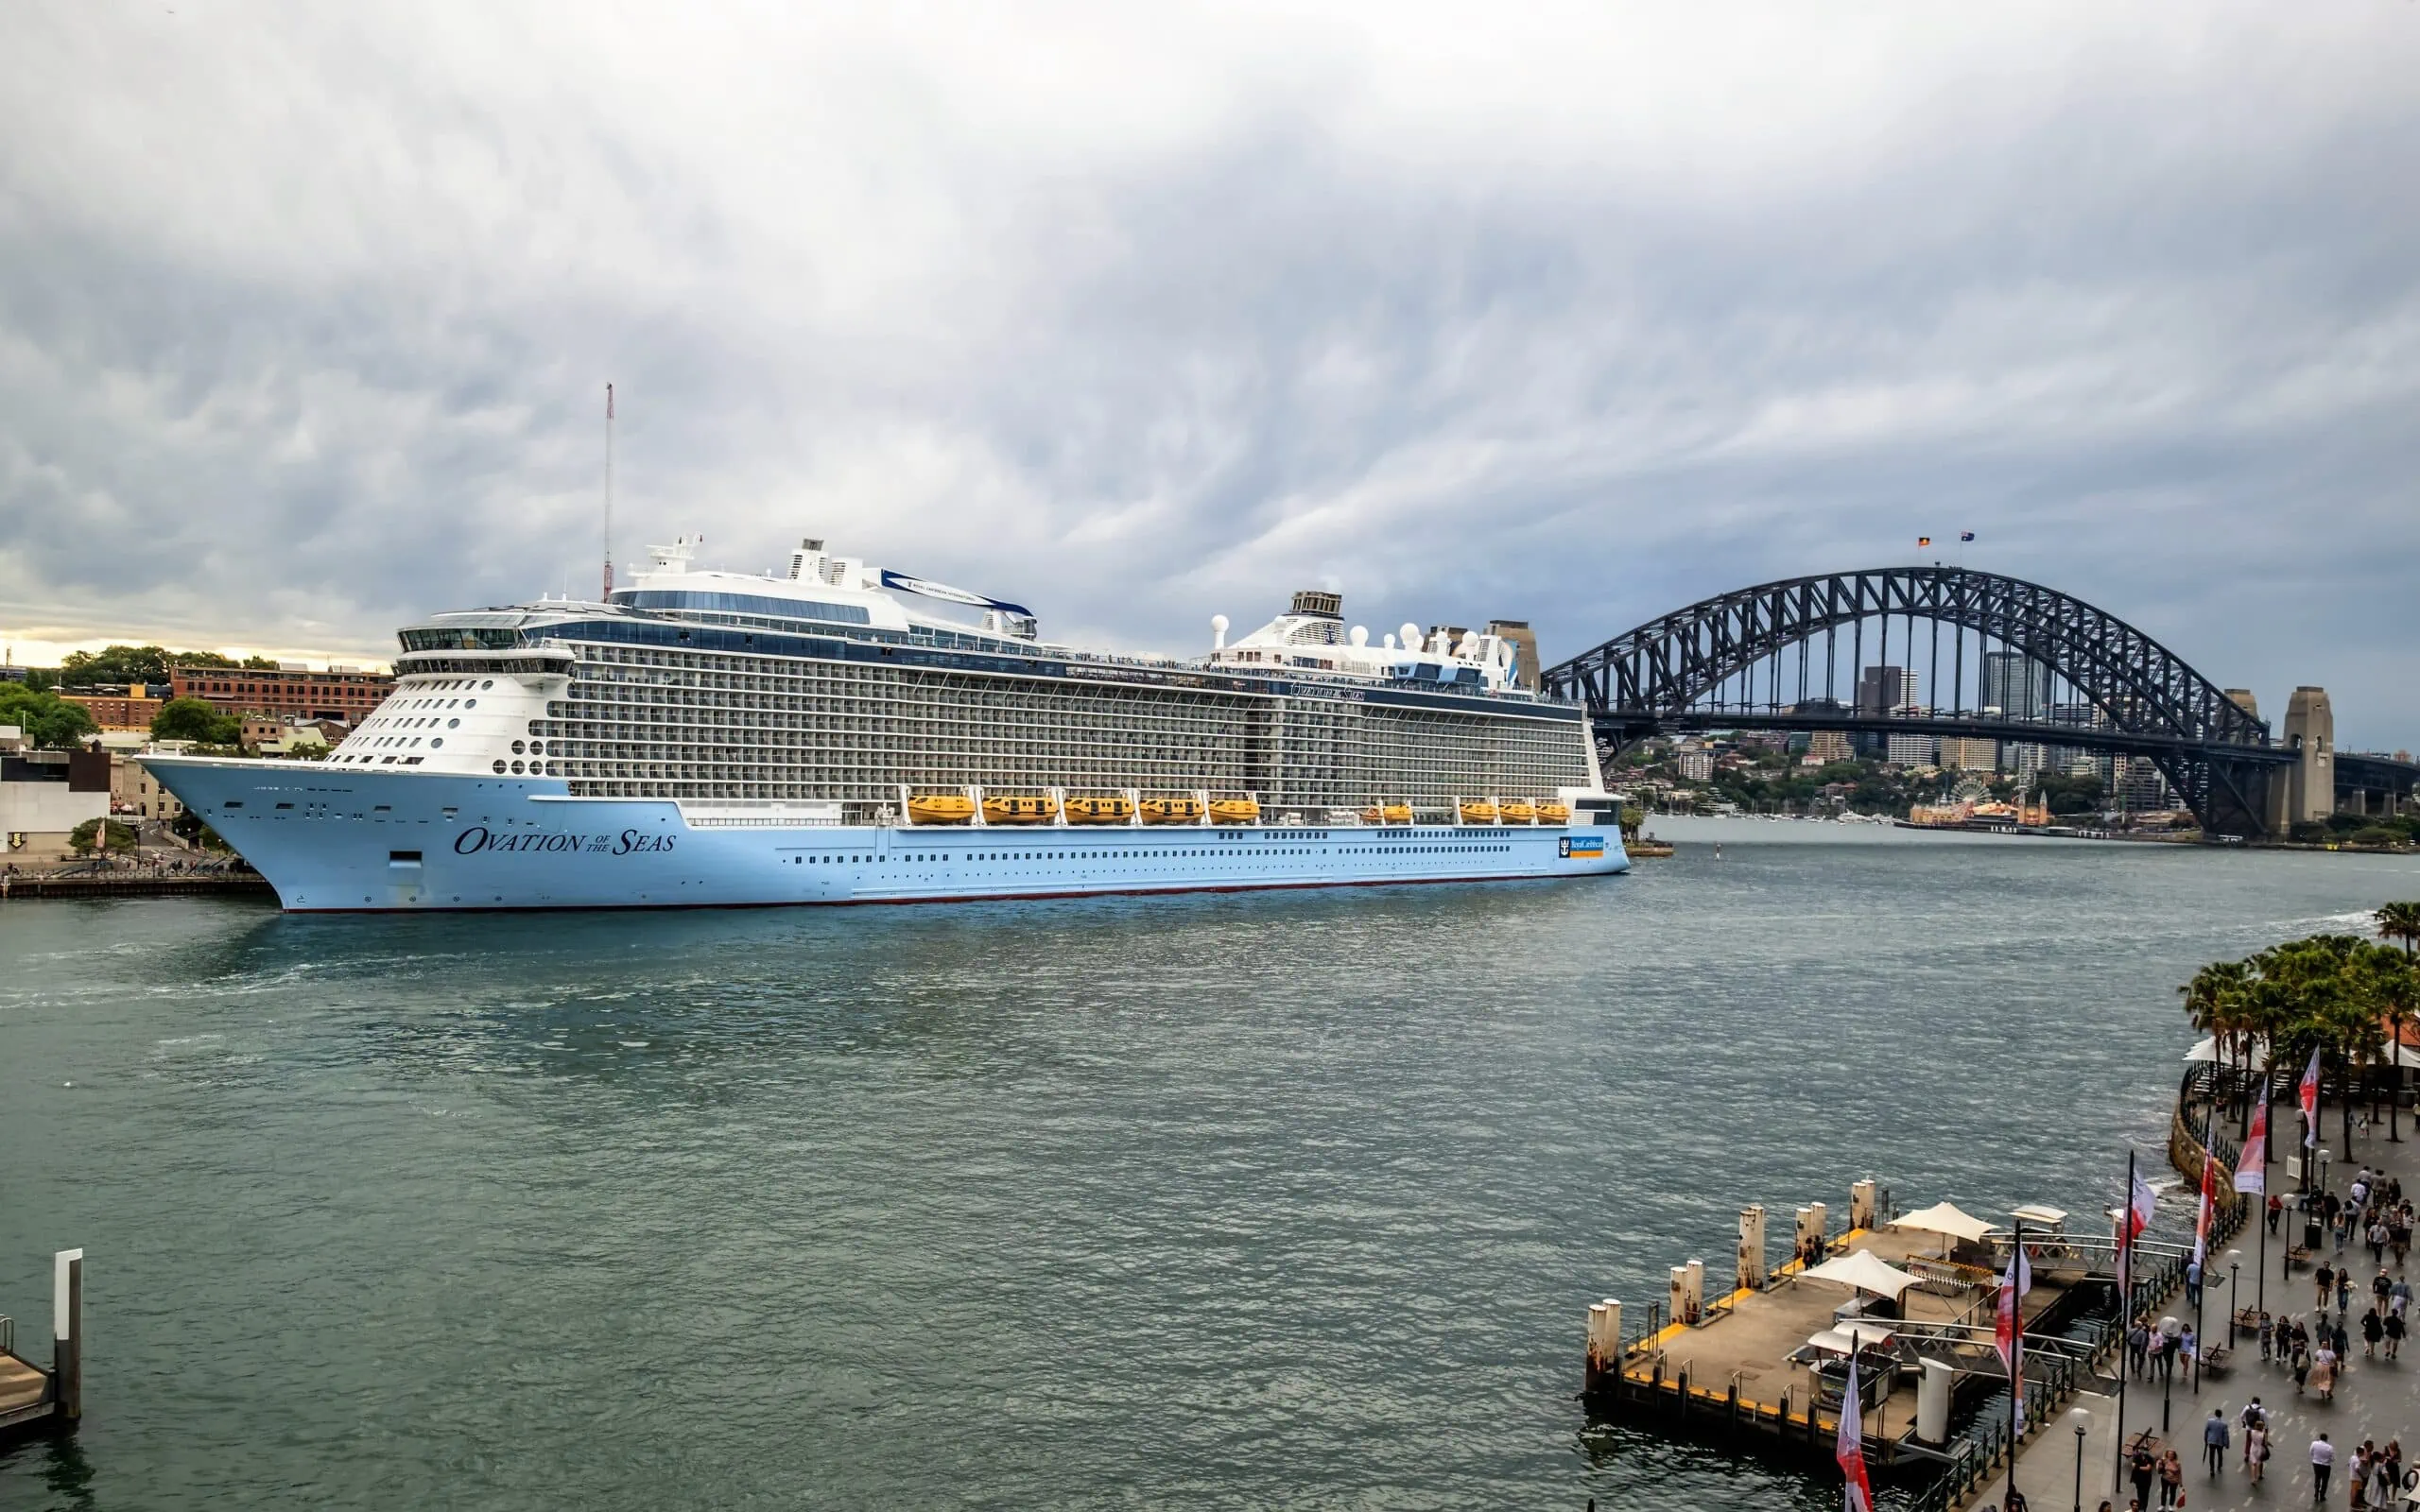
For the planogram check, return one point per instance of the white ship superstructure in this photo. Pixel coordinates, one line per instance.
(765, 728)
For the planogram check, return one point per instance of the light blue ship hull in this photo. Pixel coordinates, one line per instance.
(333, 839)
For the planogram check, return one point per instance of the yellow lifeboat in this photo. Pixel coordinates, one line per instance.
(940, 808)
(1100, 810)
(1234, 810)
(1478, 813)
(1387, 814)
(1519, 812)
(1553, 813)
(1171, 810)
(1016, 810)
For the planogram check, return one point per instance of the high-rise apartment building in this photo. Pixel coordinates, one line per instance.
(2015, 684)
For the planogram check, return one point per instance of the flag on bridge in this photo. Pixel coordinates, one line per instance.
(1924, 541)
(1965, 535)
(2307, 1094)
(1848, 1447)
(2251, 1168)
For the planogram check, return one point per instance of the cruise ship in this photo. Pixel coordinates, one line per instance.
(843, 734)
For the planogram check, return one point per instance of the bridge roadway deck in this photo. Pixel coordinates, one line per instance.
(1751, 1336)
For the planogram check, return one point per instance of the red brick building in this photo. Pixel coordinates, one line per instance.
(346, 696)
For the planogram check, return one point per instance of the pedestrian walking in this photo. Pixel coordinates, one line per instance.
(2395, 1327)
(2215, 1442)
(2344, 1292)
(2324, 1280)
(2268, 1333)
(2171, 1479)
(2301, 1363)
(2381, 1286)
(2193, 1282)
(2138, 1347)
(2373, 1331)
(2144, 1470)
(2323, 1372)
(2255, 1451)
(2323, 1463)
(2277, 1211)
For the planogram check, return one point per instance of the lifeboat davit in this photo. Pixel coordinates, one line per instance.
(1100, 810)
(1518, 811)
(940, 808)
(1234, 810)
(1551, 812)
(1171, 810)
(1475, 812)
(1016, 810)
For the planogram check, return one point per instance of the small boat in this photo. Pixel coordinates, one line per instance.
(1234, 810)
(1100, 810)
(1171, 810)
(1553, 813)
(940, 808)
(1016, 810)
(1519, 812)
(1476, 812)
(1387, 814)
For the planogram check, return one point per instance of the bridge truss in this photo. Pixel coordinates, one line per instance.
(2068, 676)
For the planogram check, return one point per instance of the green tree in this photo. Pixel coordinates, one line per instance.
(49, 721)
(2400, 921)
(86, 836)
(196, 719)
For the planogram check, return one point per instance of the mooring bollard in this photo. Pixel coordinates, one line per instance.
(1752, 1247)
(1861, 1204)
(67, 1330)
(1604, 1341)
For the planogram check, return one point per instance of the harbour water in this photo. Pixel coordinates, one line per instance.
(1229, 1200)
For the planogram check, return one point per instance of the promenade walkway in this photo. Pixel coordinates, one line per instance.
(2375, 1398)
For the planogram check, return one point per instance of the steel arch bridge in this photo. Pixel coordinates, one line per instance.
(1726, 661)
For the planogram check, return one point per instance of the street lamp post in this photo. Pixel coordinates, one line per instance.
(2168, 1331)
(2079, 1420)
(2235, 1263)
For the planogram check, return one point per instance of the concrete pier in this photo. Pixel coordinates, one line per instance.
(32, 1397)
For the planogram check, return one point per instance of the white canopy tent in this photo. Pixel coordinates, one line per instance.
(1860, 1271)
(1944, 1218)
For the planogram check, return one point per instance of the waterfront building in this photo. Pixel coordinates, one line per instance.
(2015, 684)
(1969, 755)
(1828, 746)
(134, 793)
(114, 708)
(42, 798)
(1697, 765)
(289, 690)
(1912, 751)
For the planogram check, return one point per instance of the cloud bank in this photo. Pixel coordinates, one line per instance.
(1138, 313)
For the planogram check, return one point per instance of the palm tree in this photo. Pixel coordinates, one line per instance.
(2401, 921)
(2213, 1000)
(2392, 985)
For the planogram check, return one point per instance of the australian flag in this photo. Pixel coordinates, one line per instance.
(1965, 535)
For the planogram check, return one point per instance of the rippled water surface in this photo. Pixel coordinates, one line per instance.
(1216, 1201)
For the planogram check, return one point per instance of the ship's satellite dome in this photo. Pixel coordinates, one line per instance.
(1361, 635)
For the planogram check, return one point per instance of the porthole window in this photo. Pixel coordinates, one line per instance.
(518, 748)
(469, 703)
(538, 768)
(488, 684)
(435, 741)
(499, 765)
(516, 768)
(452, 723)
(536, 747)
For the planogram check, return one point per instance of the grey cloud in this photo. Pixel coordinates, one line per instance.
(2137, 306)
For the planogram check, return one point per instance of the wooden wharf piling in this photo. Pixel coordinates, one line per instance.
(31, 1397)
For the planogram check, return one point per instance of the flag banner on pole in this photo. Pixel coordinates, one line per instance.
(2009, 1333)
(1965, 535)
(2307, 1094)
(1924, 541)
(1849, 1446)
(2210, 1200)
(2140, 1202)
(2252, 1172)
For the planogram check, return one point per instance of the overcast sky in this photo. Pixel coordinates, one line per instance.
(1139, 313)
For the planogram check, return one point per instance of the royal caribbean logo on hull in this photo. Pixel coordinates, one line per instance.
(1579, 846)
